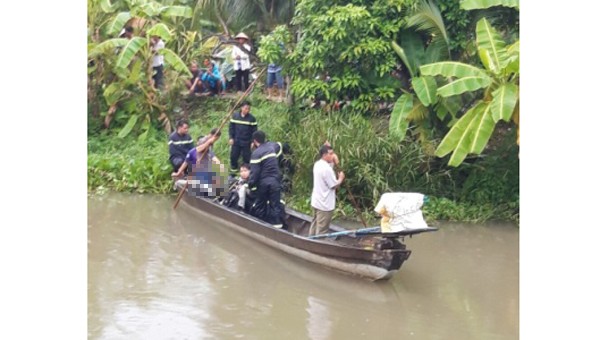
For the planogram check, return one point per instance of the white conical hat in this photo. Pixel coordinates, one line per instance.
(242, 35)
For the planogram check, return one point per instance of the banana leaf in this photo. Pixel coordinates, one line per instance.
(130, 50)
(112, 93)
(503, 104)
(463, 85)
(151, 9)
(107, 7)
(489, 39)
(482, 4)
(398, 121)
(460, 137)
(108, 46)
(173, 59)
(448, 105)
(451, 69)
(136, 72)
(161, 30)
(176, 11)
(426, 89)
(118, 23)
(128, 127)
(482, 126)
(486, 59)
(513, 58)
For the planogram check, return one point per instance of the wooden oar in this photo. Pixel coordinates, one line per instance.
(218, 130)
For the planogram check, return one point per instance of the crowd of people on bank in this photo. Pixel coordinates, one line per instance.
(208, 79)
(255, 186)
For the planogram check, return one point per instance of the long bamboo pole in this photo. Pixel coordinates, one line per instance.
(248, 90)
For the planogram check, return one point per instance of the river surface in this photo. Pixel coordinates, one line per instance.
(159, 273)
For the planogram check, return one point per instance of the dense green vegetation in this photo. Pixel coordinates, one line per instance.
(432, 93)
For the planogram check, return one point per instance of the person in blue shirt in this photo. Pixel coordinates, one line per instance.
(211, 78)
(274, 75)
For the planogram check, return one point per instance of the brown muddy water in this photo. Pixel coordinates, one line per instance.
(159, 273)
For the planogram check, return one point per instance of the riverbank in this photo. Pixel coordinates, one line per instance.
(374, 163)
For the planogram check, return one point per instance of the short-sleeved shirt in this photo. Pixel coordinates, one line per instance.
(158, 59)
(323, 194)
(192, 158)
(179, 145)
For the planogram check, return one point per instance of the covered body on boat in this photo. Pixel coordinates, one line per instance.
(372, 255)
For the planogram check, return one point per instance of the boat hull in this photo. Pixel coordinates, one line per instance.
(373, 258)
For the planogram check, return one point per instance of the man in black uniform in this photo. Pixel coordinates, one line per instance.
(266, 178)
(180, 142)
(286, 165)
(241, 127)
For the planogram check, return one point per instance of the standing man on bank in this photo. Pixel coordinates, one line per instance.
(180, 142)
(322, 199)
(266, 178)
(241, 62)
(241, 127)
(158, 60)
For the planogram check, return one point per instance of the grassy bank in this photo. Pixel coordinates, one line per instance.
(481, 190)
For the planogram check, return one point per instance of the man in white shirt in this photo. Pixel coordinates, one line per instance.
(157, 60)
(241, 62)
(322, 199)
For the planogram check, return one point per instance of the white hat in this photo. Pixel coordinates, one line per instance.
(242, 35)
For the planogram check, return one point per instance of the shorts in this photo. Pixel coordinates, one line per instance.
(272, 77)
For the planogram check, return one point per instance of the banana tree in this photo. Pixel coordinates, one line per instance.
(120, 69)
(130, 89)
(498, 82)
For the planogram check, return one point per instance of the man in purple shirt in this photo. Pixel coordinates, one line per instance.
(201, 168)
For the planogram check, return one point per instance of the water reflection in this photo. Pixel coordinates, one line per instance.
(318, 322)
(159, 273)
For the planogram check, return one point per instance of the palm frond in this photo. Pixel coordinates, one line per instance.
(413, 49)
(427, 18)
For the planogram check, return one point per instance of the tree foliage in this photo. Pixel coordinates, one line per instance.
(273, 46)
(349, 43)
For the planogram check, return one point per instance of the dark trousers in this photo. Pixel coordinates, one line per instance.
(214, 90)
(235, 155)
(176, 162)
(241, 78)
(268, 201)
(158, 76)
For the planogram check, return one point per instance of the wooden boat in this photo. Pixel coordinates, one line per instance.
(375, 256)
